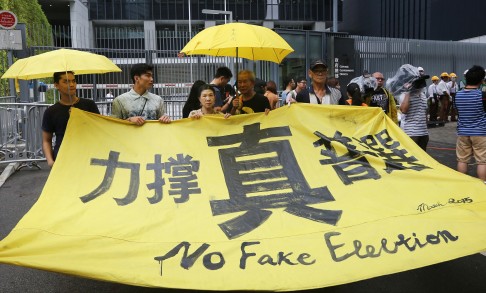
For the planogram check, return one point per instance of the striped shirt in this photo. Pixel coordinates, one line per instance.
(471, 116)
(414, 123)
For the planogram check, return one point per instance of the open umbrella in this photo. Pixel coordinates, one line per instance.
(45, 64)
(238, 39)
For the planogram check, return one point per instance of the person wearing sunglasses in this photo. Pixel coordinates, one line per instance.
(382, 98)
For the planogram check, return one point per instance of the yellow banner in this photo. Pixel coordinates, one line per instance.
(306, 197)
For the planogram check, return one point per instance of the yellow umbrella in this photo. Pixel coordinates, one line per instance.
(45, 64)
(238, 39)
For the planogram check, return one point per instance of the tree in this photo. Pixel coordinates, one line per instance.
(38, 30)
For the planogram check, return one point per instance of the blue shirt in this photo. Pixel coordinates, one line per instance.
(471, 116)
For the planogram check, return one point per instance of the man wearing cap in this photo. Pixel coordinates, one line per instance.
(382, 98)
(444, 96)
(433, 99)
(319, 92)
(421, 70)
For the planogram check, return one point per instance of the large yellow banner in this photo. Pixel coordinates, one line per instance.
(306, 197)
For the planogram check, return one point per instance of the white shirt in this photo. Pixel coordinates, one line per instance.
(432, 90)
(442, 87)
(452, 85)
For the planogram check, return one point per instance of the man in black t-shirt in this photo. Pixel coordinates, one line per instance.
(219, 82)
(382, 98)
(249, 101)
(55, 119)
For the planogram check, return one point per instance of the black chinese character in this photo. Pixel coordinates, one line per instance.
(352, 165)
(262, 176)
(159, 182)
(388, 149)
(111, 165)
(183, 181)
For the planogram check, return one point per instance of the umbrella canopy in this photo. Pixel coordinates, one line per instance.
(45, 64)
(237, 39)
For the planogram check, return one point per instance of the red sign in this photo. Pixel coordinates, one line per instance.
(8, 20)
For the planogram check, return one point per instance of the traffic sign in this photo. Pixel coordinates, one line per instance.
(8, 19)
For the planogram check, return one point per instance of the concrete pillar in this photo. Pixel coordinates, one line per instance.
(209, 23)
(150, 34)
(272, 9)
(80, 32)
(269, 24)
(92, 41)
(319, 26)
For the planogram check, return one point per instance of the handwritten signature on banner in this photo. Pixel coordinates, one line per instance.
(275, 172)
(423, 207)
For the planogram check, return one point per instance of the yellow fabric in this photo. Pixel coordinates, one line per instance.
(238, 39)
(328, 227)
(46, 64)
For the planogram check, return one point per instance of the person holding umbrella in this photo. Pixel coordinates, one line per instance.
(139, 105)
(56, 117)
(249, 101)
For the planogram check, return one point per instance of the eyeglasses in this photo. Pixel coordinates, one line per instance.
(322, 71)
(380, 78)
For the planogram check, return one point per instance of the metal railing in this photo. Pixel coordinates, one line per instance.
(21, 132)
(20, 135)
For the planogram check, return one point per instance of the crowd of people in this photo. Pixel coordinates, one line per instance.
(463, 101)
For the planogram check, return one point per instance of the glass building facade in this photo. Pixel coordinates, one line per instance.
(281, 11)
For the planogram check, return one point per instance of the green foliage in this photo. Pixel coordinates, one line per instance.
(38, 30)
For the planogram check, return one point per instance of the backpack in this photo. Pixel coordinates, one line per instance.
(219, 97)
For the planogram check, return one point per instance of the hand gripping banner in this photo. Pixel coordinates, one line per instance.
(306, 197)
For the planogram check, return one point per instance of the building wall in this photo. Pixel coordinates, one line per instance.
(307, 11)
(414, 19)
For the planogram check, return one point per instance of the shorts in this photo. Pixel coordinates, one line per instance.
(468, 146)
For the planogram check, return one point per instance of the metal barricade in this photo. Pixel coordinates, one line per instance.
(20, 132)
(173, 107)
(8, 99)
(11, 141)
(104, 108)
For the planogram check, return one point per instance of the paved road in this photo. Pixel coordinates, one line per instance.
(21, 190)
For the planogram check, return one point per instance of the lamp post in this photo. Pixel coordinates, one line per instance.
(219, 12)
(222, 12)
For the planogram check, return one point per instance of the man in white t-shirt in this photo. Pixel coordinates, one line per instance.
(444, 96)
(300, 86)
